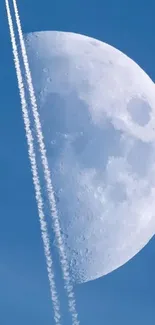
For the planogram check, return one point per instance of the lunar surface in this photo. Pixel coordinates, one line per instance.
(97, 110)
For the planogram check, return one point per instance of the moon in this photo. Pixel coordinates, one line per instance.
(97, 111)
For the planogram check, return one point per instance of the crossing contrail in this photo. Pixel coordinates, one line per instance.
(32, 157)
(47, 176)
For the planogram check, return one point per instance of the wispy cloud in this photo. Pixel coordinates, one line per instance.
(32, 157)
(47, 176)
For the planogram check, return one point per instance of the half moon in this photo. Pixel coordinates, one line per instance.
(97, 109)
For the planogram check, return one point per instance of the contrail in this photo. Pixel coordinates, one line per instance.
(47, 176)
(32, 157)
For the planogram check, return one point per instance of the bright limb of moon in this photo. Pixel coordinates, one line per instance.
(97, 110)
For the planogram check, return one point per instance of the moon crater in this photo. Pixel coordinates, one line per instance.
(140, 110)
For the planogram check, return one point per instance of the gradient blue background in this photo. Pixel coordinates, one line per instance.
(127, 296)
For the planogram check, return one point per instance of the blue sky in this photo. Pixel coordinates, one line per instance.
(127, 296)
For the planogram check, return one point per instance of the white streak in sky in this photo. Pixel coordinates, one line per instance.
(32, 157)
(54, 213)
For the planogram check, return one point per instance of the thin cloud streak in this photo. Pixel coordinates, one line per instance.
(47, 176)
(32, 157)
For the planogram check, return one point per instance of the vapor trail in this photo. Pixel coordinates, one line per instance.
(32, 157)
(47, 176)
